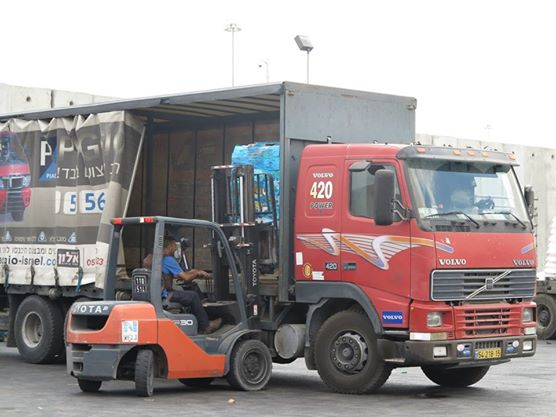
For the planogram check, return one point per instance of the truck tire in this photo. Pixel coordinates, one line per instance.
(144, 373)
(455, 378)
(250, 365)
(87, 385)
(546, 316)
(39, 332)
(196, 382)
(17, 216)
(346, 354)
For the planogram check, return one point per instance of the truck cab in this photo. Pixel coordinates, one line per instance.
(441, 256)
(15, 177)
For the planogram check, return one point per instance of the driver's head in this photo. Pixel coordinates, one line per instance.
(170, 246)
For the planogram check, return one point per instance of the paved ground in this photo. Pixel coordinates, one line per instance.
(522, 387)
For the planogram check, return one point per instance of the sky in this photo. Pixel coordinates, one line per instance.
(479, 69)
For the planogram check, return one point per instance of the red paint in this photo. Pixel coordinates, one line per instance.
(184, 357)
(331, 244)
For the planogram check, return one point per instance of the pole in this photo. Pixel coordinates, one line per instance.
(308, 67)
(233, 57)
(233, 28)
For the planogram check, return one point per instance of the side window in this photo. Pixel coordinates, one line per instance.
(362, 184)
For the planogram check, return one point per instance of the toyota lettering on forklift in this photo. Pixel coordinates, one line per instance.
(371, 257)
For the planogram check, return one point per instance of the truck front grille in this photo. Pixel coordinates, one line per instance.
(485, 284)
(12, 182)
(479, 321)
(14, 201)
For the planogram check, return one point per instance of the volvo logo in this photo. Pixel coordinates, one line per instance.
(524, 262)
(489, 284)
(452, 262)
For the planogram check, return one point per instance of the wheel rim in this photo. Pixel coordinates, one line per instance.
(254, 367)
(543, 315)
(32, 329)
(349, 352)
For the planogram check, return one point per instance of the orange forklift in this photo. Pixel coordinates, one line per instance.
(145, 337)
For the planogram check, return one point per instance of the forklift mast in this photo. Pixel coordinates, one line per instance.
(244, 205)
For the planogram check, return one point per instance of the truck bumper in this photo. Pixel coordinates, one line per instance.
(95, 362)
(456, 353)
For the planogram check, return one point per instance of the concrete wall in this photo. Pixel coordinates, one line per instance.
(15, 98)
(537, 168)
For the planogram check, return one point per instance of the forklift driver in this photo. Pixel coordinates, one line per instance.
(171, 268)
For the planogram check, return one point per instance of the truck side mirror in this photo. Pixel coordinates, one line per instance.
(529, 195)
(383, 197)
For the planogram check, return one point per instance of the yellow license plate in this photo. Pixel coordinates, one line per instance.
(493, 353)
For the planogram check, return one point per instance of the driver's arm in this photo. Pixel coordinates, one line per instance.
(192, 274)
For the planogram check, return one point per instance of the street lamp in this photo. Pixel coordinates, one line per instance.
(233, 27)
(304, 44)
(265, 63)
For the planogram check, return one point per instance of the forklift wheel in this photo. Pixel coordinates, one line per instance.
(87, 385)
(196, 382)
(144, 373)
(250, 365)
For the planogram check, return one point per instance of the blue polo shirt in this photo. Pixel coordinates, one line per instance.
(171, 267)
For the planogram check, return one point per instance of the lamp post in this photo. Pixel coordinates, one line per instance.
(265, 63)
(233, 28)
(304, 44)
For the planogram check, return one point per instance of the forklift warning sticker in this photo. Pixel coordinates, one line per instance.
(130, 331)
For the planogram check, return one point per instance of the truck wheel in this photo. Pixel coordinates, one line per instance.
(280, 360)
(87, 385)
(250, 365)
(17, 216)
(196, 382)
(455, 378)
(346, 354)
(144, 373)
(39, 332)
(546, 316)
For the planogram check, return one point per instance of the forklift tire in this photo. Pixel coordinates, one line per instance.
(546, 316)
(87, 385)
(346, 354)
(455, 378)
(250, 365)
(39, 332)
(144, 373)
(17, 216)
(196, 382)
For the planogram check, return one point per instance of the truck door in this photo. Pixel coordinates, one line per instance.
(375, 258)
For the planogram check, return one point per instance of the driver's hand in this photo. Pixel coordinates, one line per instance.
(201, 274)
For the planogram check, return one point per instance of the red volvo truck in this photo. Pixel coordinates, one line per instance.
(446, 285)
(15, 178)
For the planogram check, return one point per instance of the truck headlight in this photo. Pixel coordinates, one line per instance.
(26, 180)
(528, 315)
(434, 319)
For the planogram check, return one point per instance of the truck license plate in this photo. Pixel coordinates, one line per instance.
(493, 353)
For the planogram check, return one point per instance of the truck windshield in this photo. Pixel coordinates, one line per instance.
(479, 193)
(11, 151)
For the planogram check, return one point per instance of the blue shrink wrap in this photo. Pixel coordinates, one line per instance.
(265, 158)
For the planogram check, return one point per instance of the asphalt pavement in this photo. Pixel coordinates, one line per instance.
(523, 387)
